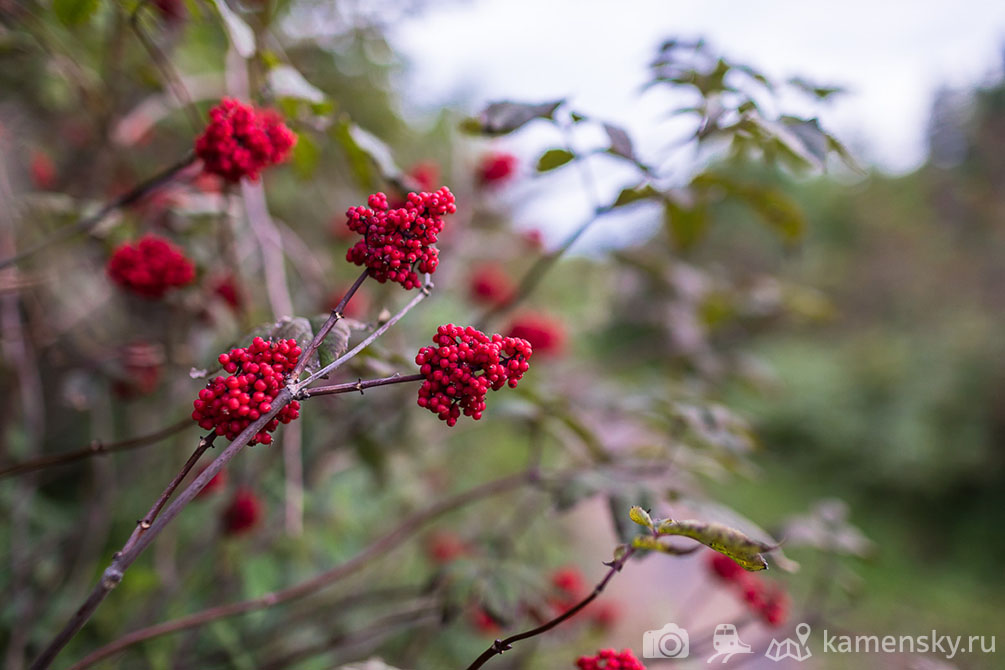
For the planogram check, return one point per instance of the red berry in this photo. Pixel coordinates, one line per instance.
(608, 659)
(546, 335)
(491, 285)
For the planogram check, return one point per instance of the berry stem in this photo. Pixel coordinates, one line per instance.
(144, 523)
(96, 448)
(499, 646)
(333, 318)
(115, 571)
(409, 527)
(86, 223)
(362, 385)
(340, 361)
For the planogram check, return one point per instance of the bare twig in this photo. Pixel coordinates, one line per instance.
(500, 646)
(333, 318)
(86, 223)
(123, 559)
(410, 526)
(95, 449)
(339, 362)
(363, 384)
(144, 524)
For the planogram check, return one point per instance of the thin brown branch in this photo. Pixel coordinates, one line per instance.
(115, 571)
(333, 318)
(500, 646)
(405, 530)
(144, 524)
(340, 361)
(86, 223)
(362, 385)
(95, 449)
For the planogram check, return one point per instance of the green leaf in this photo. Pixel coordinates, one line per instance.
(632, 195)
(75, 12)
(242, 37)
(500, 118)
(641, 517)
(650, 543)
(305, 156)
(685, 225)
(725, 540)
(554, 158)
(816, 90)
(337, 342)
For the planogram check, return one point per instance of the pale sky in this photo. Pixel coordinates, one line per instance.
(891, 55)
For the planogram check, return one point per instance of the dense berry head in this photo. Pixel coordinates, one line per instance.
(242, 513)
(490, 285)
(227, 289)
(496, 168)
(397, 243)
(569, 588)
(230, 404)
(240, 141)
(463, 365)
(546, 335)
(484, 622)
(608, 659)
(150, 268)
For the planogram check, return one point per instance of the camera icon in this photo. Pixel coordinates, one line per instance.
(671, 641)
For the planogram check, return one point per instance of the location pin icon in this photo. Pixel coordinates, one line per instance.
(803, 633)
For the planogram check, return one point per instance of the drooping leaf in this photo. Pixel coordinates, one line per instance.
(500, 118)
(812, 136)
(296, 327)
(242, 37)
(650, 543)
(635, 194)
(75, 12)
(554, 158)
(725, 540)
(816, 90)
(641, 517)
(287, 82)
(337, 342)
(621, 143)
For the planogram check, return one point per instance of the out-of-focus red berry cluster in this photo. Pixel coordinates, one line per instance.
(496, 168)
(571, 588)
(767, 601)
(240, 141)
(142, 362)
(608, 659)
(490, 285)
(150, 268)
(546, 335)
(242, 513)
(463, 366)
(397, 243)
(257, 373)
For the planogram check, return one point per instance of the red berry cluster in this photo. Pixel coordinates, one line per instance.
(463, 366)
(43, 172)
(491, 285)
(571, 588)
(546, 335)
(496, 168)
(444, 547)
(608, 659)
(240, 141)
(150, 268)
(242, 513)
(767, 601)
(229, 404)
(397, 243)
